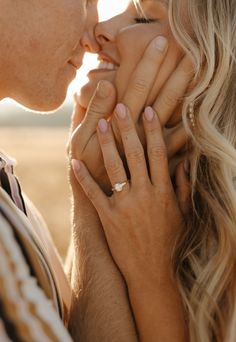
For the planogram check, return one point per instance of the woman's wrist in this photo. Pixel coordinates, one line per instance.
(158, 310)
(161, 279)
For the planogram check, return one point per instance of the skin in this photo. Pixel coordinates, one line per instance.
(154, 297)
(34, 70)
(38, 70)
(83, 138)
(125, 218)
(36, 73)
(118, 42)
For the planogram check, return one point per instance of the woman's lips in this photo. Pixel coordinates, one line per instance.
(103, 67)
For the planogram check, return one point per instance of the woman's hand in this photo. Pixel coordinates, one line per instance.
(142, 221)
(84, 144)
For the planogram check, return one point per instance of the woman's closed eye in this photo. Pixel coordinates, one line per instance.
(142, 20)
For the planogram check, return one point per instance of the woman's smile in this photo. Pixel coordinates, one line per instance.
(123, 40)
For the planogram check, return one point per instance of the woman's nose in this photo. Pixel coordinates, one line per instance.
(89, 42)
(103, 34)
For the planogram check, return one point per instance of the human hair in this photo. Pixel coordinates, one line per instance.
(204, 259)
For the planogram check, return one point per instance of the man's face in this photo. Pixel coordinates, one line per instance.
(40, 48)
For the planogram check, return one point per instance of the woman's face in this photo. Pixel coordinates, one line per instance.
(122, 41)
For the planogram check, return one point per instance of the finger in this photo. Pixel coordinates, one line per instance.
(156, 149)
(132, 146)
(183, 188)
(90, 187)
(174, 90)
(101, 105)
(112, 161)
(176, 139)
(142, 80)
(144, 76)
(78, 113)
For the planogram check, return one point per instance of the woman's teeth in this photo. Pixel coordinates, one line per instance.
(107, 66)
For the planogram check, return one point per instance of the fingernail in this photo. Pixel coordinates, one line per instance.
(160, 43)
(103, 89)
(76, 165)
(120, 110)
(102, 125)
(149, 114)
(187, 166)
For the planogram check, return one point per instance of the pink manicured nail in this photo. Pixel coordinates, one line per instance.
(160, 43)
(149, 114)
(76, 164)
(102, 125)
(120, 111)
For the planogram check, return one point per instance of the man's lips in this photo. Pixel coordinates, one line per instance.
(105, 57)
(74, 64)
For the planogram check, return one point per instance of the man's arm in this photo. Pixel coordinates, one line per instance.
(100, 308)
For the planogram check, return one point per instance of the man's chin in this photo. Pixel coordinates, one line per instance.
(38, 105)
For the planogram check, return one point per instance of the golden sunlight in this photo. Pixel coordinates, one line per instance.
(107, 9)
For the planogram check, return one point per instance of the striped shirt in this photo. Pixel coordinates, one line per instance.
(34, 292)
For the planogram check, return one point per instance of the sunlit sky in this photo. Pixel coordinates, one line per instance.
(106, 8)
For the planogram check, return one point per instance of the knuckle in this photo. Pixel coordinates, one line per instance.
(157, 152)
(140, 85)
(113, 165)
(127, 129)
(153, 130)
(171, 98)
(91, 193)
(95, 109)
(106, 139)
(136, 154)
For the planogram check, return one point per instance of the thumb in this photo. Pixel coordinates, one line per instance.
(183, 188)
(100, 106)
(78, 113)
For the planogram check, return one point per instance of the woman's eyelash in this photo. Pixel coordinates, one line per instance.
(144, 20)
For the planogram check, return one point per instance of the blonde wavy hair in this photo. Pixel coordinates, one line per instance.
(205, 256)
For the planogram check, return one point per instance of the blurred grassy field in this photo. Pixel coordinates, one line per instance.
(42, 171)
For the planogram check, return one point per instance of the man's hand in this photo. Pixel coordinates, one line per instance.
(84, 144)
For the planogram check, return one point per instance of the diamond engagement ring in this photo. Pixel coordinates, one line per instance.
(118, 187)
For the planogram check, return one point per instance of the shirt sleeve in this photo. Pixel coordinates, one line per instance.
(26, 314)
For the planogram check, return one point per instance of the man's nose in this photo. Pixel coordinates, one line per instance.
(89, 42)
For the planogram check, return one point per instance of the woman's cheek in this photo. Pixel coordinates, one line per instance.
(132, 43)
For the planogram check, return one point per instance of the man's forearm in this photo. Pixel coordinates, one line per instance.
(100, 308)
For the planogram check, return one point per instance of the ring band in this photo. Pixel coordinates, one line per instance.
(118, 187)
